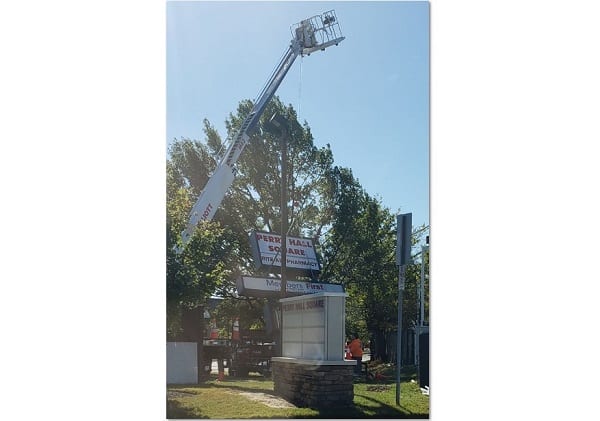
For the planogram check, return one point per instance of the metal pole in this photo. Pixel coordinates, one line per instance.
(279, 123)
(283, 210)
(283, 245)
(421, 308)
(403, 257)
(417, 336)
(399, 335)
(420, 324)
(422, 289)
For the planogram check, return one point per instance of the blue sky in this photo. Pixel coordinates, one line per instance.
(368, 97)
(515, 134)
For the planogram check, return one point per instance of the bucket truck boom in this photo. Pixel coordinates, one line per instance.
(313, 34)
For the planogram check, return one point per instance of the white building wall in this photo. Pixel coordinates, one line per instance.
(182, 362)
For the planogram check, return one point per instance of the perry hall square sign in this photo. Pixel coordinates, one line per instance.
(300, 254)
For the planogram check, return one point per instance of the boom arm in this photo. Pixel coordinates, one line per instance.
(316, 33)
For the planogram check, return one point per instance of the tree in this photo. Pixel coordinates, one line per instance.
(203, 266)
(219, 252)
(360, 253)
(256, 189)
(354, 232)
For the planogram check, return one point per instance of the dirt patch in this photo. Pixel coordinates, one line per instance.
(378, 388)
(269, 400)
(179, 394)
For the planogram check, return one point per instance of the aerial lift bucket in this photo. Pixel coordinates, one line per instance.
(318, 32)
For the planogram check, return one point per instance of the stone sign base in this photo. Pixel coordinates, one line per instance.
(313, 383)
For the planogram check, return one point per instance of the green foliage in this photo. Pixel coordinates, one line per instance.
(201, 269)
(353, 232)
(205, 265)
(255, 198)
(219, 251)
(410, 302)
(359, 252)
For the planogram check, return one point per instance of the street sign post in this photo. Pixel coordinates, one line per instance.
(403, 248)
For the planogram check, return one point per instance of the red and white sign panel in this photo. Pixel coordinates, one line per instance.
(301, 254)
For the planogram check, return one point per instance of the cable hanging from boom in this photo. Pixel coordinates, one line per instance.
(300, 88)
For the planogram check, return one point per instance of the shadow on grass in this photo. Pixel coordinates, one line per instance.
(212, 381)
(177, 411)
(227, 385)
(388, 411)
(382, 410)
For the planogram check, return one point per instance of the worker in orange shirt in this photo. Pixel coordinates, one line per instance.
(357, 352)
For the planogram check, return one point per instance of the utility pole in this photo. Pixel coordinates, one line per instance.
(280, 123)
(284, 214)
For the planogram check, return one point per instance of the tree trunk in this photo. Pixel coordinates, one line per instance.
(378, 347)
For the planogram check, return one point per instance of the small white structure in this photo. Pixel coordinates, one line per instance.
(182, 362)
(312, 371)
(314, 326)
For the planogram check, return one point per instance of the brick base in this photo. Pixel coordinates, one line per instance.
(314, 384)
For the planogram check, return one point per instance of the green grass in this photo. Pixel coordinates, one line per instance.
(213, 399)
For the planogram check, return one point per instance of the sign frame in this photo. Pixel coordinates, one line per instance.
(250, 286)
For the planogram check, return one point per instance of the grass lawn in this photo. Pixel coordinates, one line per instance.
(232, 399)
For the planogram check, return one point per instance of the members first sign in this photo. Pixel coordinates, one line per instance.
(300, 256)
